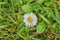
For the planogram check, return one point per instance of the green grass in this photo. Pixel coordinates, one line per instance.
(12, 26)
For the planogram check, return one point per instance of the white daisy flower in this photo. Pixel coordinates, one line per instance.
(30, 19)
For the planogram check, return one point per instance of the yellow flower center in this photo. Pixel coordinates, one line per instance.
(30, 19)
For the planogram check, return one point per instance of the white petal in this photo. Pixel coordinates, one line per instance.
(26, 15)
(26, 23)
(25, 20)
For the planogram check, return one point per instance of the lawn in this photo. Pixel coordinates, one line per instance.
(12, 26)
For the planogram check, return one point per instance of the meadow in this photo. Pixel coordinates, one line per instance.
(12, 26)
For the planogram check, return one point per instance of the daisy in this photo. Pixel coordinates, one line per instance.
(30, 19)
